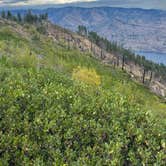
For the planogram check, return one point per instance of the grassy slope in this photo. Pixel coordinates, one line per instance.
(61, 59)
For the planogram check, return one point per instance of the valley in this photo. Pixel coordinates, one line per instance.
(153, 56)
(138, 29)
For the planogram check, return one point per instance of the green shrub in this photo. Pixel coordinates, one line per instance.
(41, 29)
(47, 119)
(28, 60)
(88, 76)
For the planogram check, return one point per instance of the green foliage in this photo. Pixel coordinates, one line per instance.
(3, 14)
(41, 29)
(88, 76)
(48, 119)
(60, 59)
(19, 17)
(82, 30)
(25, 61)
(9, 15)
(29, 17)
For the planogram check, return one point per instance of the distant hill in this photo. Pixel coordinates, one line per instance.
(137, 29)
(134, 28)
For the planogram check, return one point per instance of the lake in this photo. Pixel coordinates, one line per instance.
(155, 57)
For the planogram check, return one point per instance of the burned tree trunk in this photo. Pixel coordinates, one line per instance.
(102, 55)
(94, 50)
(151, 75)
(114, 63)
(143, 77)
(118, 61)
(91, 45)
(123, 62)
(68, 43)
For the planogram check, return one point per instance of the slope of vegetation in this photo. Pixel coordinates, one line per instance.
(126, 55)
(53, 114)
(29, 47)
(46, 119)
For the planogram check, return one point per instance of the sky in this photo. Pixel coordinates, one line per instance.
(39, 2)
(147, 4)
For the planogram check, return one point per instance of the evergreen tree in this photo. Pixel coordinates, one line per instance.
(3, 14)
(19, 18)
(9, 15)
(28, 17)
(82, 30)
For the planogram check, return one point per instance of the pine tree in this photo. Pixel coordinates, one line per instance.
(3, 14)
(19, 18)
(9, 15)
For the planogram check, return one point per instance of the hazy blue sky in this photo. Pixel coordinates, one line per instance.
(155, 4)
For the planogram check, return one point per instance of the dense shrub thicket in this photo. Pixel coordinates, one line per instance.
(49, 119)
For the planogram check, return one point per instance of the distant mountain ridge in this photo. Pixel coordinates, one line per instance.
(138, 29)
(133, 28)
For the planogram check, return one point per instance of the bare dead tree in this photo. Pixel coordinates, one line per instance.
(151, 75)
(91, 45)
(68, 43)
(143, 76)
(114, 62)
(102, 55)
(123, 62)
(117, 60)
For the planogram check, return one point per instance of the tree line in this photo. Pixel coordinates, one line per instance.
(124, 55)
(29, 17)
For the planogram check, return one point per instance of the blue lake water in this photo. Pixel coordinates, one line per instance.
(155, 57)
